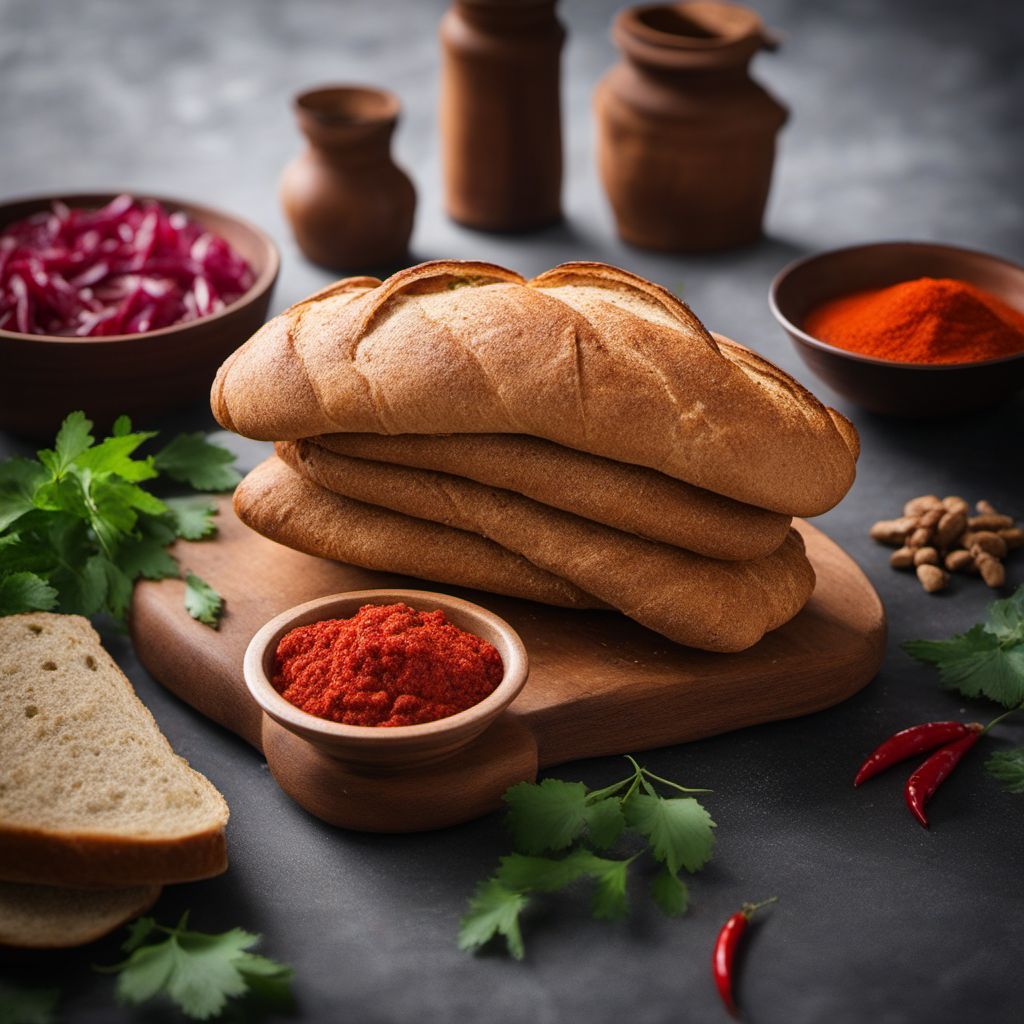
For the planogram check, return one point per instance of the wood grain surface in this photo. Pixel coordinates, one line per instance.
(599, 683)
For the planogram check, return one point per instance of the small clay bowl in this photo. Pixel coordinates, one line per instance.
(398, 747)
(47, 376)
(880, 385)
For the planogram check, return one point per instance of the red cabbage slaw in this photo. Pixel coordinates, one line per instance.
(128, 268)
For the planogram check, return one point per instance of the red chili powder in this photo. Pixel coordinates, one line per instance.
(928, 320)
(388, 665)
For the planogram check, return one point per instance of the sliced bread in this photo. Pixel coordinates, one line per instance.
(51, 917)
(91, 793)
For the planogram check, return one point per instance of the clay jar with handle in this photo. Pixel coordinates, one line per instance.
(686, 139)
(350, 206)
(501, 123)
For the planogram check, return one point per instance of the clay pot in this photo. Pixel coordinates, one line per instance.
(501, 123)
(686, 139)
(350, 206)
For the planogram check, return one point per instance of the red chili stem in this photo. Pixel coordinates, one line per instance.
(726, 944)
(921, 786)
(916, 740)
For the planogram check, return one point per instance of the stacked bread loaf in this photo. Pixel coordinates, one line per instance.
(578, 439)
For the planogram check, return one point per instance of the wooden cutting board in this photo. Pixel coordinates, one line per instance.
(599, 683)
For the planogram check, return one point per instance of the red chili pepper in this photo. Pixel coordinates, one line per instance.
(915, 740)
(725, 950)
(927, 779)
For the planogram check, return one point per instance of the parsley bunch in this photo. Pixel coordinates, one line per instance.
(986, 661)
(198, 971)
(77, 529)
(566, 818)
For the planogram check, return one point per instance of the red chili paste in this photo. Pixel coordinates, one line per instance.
(388, 665)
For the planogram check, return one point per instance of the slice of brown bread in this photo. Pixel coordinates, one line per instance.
(91, 793)
(52, 917)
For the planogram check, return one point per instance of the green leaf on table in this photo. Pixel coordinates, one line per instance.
(72, 439)
(1006, 618)
(976, 664)
(202, 602)
(199, 972)
(20, 479)
(670, 892)
(114, 455)
(546, 816)
(605, 821)
(493, 910)
(20, 1005)
(25, 592)
(678, 828)
(609, 902)
(150, 559)
(1008, 767)
(193, 517)
(193, 459)
(523, 873)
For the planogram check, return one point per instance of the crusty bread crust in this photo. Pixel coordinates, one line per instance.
(694, 600)
(586, 355)
(631, 498)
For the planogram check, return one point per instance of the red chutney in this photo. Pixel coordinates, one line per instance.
(388, 665)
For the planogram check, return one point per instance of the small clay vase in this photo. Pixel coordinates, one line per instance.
(501, 125)
(350, 206)
(686, 139)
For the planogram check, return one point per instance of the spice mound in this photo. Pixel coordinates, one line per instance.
(929, 320)
(388, 665)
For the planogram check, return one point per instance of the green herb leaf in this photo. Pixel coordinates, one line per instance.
(20, 479)
(976, 664)
(202, 602)
(199, 972)
(25, 592)
(142, 927)
(609, 901)
(669, 891)
(72, 439)
(605, 822)
(678, 828)
(522, 873)
(548, 816)
(1008, 767)
(194, 460)
(114, 456)
(20, 1005)
(493, 910)
(193, 517)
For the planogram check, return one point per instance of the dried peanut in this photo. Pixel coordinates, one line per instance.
(892, 531)
(926, 556)
(960, 561)
(921, 536)
(954, 503)
(986, 508)
(932, 578)
(1014, 537)
(990, 521)
(916, 506)
(931, 517)
(949, 527)
(902, 558)
(990, 543)
(992, 571)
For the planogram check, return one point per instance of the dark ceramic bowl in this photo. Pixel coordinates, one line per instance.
(879, 385)
(44, 377)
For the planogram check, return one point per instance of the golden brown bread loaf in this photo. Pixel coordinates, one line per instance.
(627, 497)
(586, 355)
(701, 602)
(277, 502)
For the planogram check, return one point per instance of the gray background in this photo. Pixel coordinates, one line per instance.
(907, 123)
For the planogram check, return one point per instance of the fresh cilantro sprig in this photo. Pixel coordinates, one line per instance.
(1008, 767)
(198, 971)
(21, 1005)
(987, 660)
(77, 526)
(558, 828)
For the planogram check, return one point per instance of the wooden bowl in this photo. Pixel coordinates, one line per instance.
(387, 748)
(47, 376)
(884, 386)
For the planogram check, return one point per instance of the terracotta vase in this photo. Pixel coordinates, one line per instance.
(350, 206)
(686, 139)
(501, 123)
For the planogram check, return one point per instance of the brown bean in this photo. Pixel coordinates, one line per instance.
(926, 556)
(954, 503)
(924, 503)
(932, 578)
(1014, 537)
(990, 543)
(892, 531)
(960, 561)
(921, 536)
(931, 517)
(992, 571)
(902, 558)
(990, 521)
(986, 508)
(950, 526)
